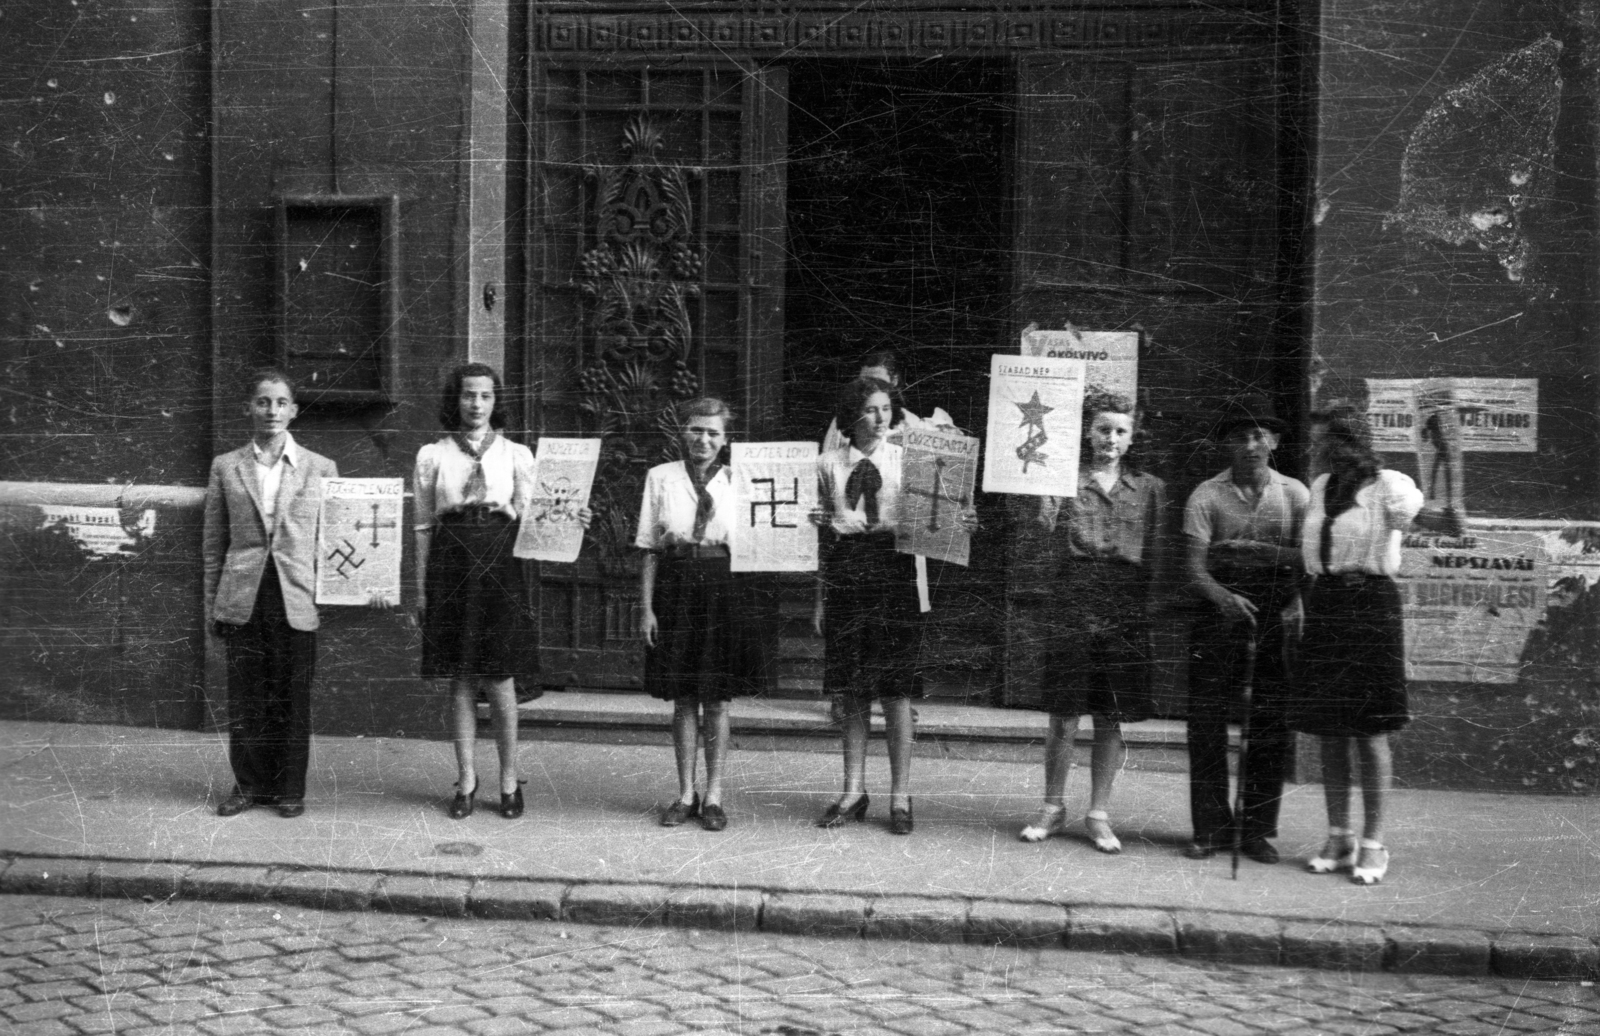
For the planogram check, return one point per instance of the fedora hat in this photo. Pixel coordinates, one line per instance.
(1249, 409)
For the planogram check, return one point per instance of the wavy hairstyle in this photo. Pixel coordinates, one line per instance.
(450, 398)
(853, 398)
(1347, 448)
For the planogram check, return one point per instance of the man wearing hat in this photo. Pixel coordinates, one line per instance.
(1243, 550)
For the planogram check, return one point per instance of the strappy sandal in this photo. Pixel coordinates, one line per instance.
(1098, 823)
(1372, 865)
(1338, 853)
(1052, 820)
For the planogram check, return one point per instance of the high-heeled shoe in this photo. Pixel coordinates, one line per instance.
(1098, 823)
(833, 816)
(461, 807)
(1338, 853)
(900, 821)
(680, 811)
(1371, 865)
(1051, 821)
(511, 805)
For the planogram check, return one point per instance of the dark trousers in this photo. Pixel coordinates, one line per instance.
(1216, 677)
(270, 668)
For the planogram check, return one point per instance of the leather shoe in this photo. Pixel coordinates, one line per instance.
(900, 820)
(1259, 850)
(1199, 850)
(461, 806)
(511, 805)
(291, 808)
(833, 816)
(680, 811)
(235, 804)
(712, 818)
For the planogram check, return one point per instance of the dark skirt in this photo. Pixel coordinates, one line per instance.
(708, 645)
(1351, 672)
(477, 622)
(872, 622)
(1097, 657)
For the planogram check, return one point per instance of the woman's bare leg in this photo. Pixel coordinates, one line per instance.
(857, 716)
(685, 742)
(716, 736)
(1377, 773)
(1110, 753)
(1336, 780)
(897, 731)
(464, 729)
(502, 696)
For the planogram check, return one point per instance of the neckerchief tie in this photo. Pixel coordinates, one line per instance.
(865, 480)
(704, 505)
(477, 490)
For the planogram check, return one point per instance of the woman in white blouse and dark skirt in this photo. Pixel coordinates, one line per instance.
(697, 617)
(867, 607)
(470, 489)
(1352, 685)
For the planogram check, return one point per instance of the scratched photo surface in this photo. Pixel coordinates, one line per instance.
(1212, 216)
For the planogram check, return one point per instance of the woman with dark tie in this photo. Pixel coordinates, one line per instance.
(1352, 686)
(867, 609)
(696, 616)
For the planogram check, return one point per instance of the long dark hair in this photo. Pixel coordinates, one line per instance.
(1347, 447)
(853, 397)
(450, 401)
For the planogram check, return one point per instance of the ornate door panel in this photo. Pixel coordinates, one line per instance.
(1148, 197)
(655, 274)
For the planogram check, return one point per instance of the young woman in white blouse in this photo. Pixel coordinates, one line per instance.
(471, 487)
(697, 617)
(1352, 687)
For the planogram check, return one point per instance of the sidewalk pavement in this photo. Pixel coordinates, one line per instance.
(1481, 883)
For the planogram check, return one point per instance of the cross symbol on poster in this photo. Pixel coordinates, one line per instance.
(375, 525)
(937, 493)
(772, 503)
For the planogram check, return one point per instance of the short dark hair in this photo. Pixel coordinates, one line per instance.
(888, 359)
(705, 406)
(450, 401)
(1100, 401)
(260, 374)
(853, 397)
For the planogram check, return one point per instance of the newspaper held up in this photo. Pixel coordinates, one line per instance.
(775, 491)
(939, 472)
(359, 537)
(1035, 419)
(563, 478)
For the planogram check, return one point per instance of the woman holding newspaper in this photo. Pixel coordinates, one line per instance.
(471, 488)
(696, 615)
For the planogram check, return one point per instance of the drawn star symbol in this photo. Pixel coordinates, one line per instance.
(1033, 411)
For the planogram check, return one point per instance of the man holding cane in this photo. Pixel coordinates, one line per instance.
(1241, 529)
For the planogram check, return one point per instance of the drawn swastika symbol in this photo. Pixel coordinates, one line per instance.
(346, 559)
(773, 502)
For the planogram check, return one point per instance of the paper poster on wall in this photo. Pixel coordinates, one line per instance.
(359, 536)
(1440, 463)
(1471, 601)
(563, 478)
(775, 489)
(1110, 358)
(939, 472)
(101, 530)
(1492, 415)
(1035, 414)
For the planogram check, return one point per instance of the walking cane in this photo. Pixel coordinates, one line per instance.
(1245, 692)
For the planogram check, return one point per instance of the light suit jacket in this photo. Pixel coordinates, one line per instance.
(237, 542)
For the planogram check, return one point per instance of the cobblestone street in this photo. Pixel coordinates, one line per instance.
(83, 966)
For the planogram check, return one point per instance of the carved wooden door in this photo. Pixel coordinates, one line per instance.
(655, 274)
(1150, 196)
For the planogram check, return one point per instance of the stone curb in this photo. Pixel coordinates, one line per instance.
(1195, 934)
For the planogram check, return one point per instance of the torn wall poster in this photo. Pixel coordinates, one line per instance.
(563, 478)
(1439, 451)
(1471, 601)
(775, 489)
(101, 530)
(358, 540)
(939, 472)
(1035, 418)
(1110, 358)
(1492, 415)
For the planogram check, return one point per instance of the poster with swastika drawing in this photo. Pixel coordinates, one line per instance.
(938, 475)
(563, 479)
(359, 537)
(775, 486)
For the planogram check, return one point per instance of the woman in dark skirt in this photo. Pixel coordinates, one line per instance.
(471, 488)
(1109, 542)
(1352, 687)
(697, 617)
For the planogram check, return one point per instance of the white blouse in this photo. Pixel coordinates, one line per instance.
(669, 504)
(1366, 538)
(833, 473)
(443, 468)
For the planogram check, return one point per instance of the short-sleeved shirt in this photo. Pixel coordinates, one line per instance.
(1125, 524)
(1219, 509)
(669, 504)
(1366, 537)
(443, 469)
(833, 474)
